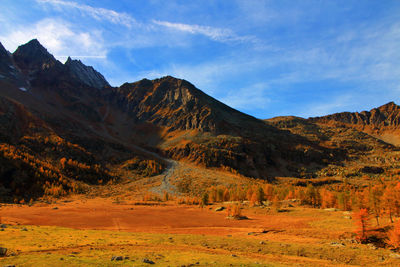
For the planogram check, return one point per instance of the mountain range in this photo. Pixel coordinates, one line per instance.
(64, 128)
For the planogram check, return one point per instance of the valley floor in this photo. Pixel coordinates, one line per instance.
(89, 232)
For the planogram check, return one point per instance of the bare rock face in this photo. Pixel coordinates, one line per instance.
(86, 74)
(33, 57)
(178, 104)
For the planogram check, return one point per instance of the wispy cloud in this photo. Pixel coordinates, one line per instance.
(216, 34)
(95, 12)
(248, 98)
(59, 38)
(338, 103)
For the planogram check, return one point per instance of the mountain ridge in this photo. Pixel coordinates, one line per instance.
(385, 115)
(382, 122)
(113, 133)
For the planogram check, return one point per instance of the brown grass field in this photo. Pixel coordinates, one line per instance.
(89, 232)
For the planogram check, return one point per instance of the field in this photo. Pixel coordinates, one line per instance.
(90, 232)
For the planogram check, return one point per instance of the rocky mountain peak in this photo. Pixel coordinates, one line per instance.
(32, 56)
(9, 71)
(178, 104)
(389, 108)
(86, 74)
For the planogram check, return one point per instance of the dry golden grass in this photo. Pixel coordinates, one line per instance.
(174, 235)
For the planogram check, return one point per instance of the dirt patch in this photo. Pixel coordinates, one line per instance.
(105, 215)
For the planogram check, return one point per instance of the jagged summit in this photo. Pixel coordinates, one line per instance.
(9, 71)
(176, 103)
(389, 107)
(40, 67)
(86, 74)
(32, 56)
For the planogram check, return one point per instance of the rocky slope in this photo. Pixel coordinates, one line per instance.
(189, 124)
(382, 122)
(86, 74)
(387, 115)
(52, 136)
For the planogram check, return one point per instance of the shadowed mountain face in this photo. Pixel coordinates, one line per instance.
(67, 128)
(33, 57)
(86, 74)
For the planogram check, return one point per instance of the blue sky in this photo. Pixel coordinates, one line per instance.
(265, 58)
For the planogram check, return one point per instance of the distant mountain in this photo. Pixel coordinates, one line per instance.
(33, 57)
(387, 115)
(382, 122)
(86, 74)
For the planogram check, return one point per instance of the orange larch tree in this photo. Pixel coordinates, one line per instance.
(361, 219)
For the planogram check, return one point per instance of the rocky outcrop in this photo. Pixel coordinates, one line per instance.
(86, 74)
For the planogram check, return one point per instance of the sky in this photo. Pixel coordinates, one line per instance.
(265, 58)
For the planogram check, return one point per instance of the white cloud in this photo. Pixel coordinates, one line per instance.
(59, 38)
(95, 12)
(216, 34)
(248, 98)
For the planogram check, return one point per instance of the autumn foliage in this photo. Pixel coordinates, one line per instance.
(394, 236)
(361, 219)
(234, 211)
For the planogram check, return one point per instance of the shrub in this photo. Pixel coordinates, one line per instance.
(234, 211)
